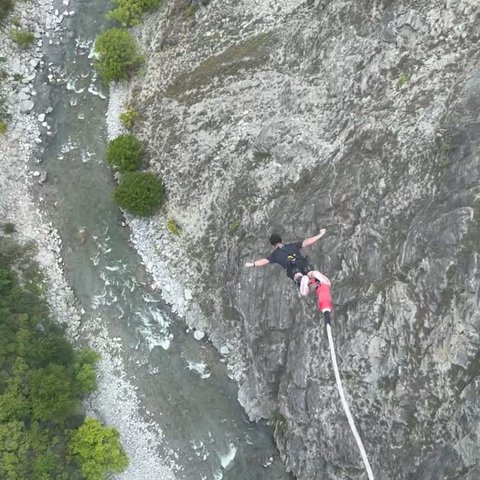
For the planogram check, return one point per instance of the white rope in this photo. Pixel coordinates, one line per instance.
(345, 404)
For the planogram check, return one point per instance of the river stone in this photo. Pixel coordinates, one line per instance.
(23, 95)
(41, 117)
(43, 177)
(198, 335)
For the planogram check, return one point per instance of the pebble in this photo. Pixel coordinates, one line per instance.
(198, 334)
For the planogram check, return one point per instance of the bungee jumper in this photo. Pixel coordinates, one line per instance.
(297, 267)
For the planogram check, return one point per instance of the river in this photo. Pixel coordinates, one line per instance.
(168, 394)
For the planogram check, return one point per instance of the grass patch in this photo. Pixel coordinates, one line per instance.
(233, 227)
(23, 38)
(173, 227)
(129, 117)
(249, 55)
(403, 79)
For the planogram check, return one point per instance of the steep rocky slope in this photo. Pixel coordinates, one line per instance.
(362, 117)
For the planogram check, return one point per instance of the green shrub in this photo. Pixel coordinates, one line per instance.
(129, 117)
(5, 8)
(173, 227)
(3, 127)
(403, 79)
(118, 56)
(22, 37)
(233, 227)
(130, 12)
(15, 21)
(97, 450)
(140, 193)
(125, 152)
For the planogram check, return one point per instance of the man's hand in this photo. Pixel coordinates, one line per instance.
(249, 264)
(310, 241)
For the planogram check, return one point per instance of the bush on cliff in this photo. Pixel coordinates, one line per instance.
(129, 117)
(125, 152)
(130, 12)
(118, 56)
(140, 193)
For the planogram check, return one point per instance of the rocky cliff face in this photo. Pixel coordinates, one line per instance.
(362, 117)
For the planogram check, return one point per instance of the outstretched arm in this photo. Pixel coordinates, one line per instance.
(258, 263)
(310, 241)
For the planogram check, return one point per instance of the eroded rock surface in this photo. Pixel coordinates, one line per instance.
(362, 117)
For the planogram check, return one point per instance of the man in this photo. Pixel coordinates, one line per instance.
(288, 256)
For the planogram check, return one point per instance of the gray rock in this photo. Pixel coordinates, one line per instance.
(23, 95)
(198, 335)
(26, 106)
(43, 178)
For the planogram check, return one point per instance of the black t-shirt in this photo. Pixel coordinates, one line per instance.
(287, 255)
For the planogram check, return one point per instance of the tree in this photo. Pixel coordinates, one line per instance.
(51, 392)
(125, 152)
(140, 193)
(97, 450)
(118, 55)
(42, 379)
(85, 371)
